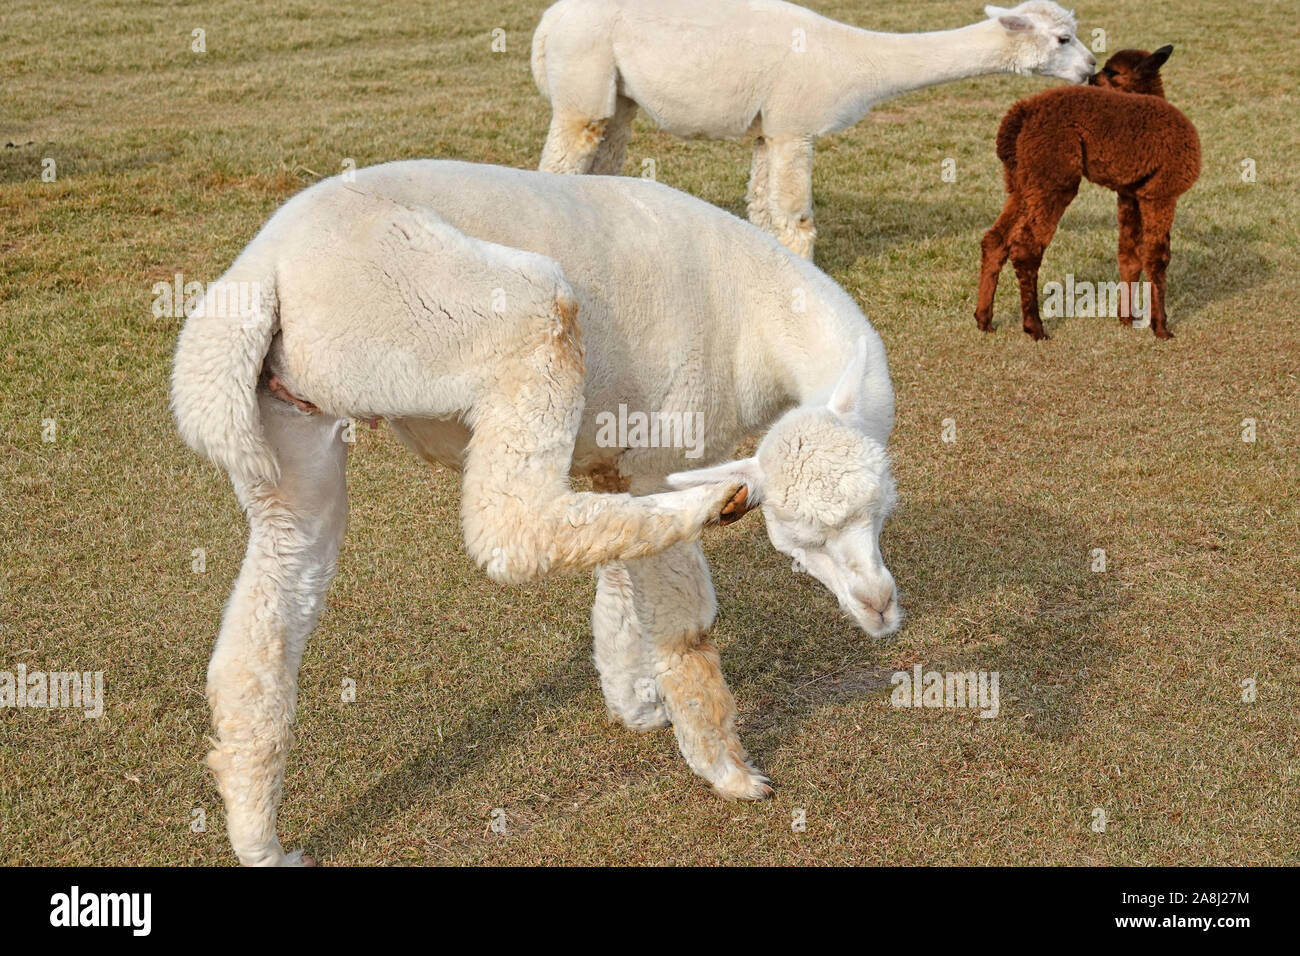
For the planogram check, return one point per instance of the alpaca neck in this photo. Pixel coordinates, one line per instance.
(799, 360)
(885, 65)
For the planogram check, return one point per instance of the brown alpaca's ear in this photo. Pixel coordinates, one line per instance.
(1156, 60)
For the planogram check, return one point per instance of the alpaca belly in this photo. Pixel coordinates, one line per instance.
(440, 441)
(692, 119)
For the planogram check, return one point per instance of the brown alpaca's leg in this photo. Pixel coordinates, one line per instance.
(995, 251)
(1130, 253)
(1042, 211)
(1157, 218)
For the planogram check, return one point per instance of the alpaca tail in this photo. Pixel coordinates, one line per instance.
(218, 362)
(539, 50)
(1008, 133)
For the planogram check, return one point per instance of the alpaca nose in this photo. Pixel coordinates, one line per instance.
(878, 599)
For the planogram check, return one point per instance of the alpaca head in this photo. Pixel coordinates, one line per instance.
(1134, 71)
(1040, 39)
(826, 488)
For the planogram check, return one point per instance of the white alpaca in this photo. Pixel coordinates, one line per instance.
(725, 68)
(447, 298)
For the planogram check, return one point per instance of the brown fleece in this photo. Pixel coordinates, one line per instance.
(1117, 132)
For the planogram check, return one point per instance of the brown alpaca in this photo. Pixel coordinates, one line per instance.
(1119, 133)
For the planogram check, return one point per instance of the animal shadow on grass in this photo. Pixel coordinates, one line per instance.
(946, 557)
(851, 227)
(944, 554)
(1211, 261)
(483, 731)
(24, 161)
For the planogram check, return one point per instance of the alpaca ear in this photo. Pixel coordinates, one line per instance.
(993, 12)
(1016, 23)
(846, 399)
(1156, 60)
(744, 471)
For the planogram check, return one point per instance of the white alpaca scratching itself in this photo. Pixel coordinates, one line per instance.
(371, 309)
(727, 68)
(447, 298)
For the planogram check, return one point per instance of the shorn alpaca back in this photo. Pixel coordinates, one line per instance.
(730, 60)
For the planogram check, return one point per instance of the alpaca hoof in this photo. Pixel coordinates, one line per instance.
(743, 784)
(1037, 334)
(296, 858)
(650, 718)
(736, 506)
(984, 324)
(1161, 333)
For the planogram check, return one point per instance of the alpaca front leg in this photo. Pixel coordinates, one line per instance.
(675, 606)
(296, 531)
(1157, 221)
(757, 198)
(620, 654)
(572, 143)
(790, 197)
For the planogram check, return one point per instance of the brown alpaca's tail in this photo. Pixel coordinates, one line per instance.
(1008, 133)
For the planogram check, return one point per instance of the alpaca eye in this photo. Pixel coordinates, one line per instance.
(1064, 40)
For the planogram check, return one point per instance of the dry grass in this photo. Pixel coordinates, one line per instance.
(1120, 690)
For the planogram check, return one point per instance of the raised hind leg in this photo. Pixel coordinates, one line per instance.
(432, 345)
(612, 151)
(994, 251)
(1157, 221)
(1130, 254)
(296, 530)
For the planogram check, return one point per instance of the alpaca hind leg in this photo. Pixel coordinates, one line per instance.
(790, 199)
(1026, 256)
(675, 606)
(1157, 220)
(612, 151)
(572, 143)
(1031, 237)
(757, 199)
(1130, 254)
(296, 532)
(994, 251)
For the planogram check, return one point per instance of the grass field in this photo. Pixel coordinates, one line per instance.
(1121, 690)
